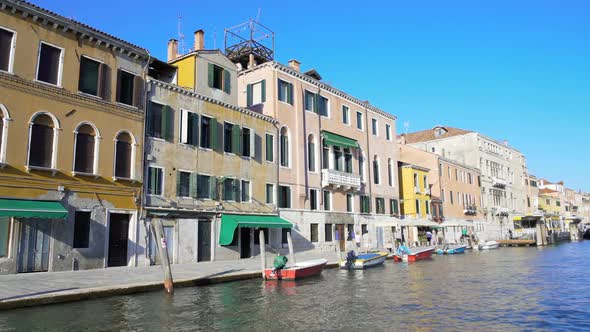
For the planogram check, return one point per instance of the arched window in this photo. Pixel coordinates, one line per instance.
(390, 171)
(311, 153)
(5, 117)
(284, 147)
(43, 141)
(376, 175)
(124, 155)
(86, 153)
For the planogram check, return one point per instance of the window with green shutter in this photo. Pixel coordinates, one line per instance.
(203, 186)
(270, 195)
(167, 123)
(226, 81)
(216, 75)
(270, 139)
(322, 106)
(310, 102)
(365, 203)
(249, 95)
(236, 139)
(154, 123)
(189, 127)
(394, 209)
(183, 184)
(155, 181)
(4, 235)
(284, 197)
(285, 92)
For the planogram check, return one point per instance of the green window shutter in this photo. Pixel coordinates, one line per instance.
(167, 122)
(236, 139)
(193, 185)
(269, 148)
(149, 119)
(290, 93)
(152, 183)
(226, 81)
(316, 103)
(178, 184)
(288, 198)
(249, 95)
(395, 207)
(263, 92)
(311, 157)
(213, 188)
(193, 121)
(213, 133)
(236, 190)
(211, 75)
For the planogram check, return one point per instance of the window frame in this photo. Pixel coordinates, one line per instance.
(10, 69)
(249, 200)
(239, 194)
(289, 149)
(96, 159)
(132, 158)
(178, 170)
(55, 143)
(266, 134)
(210, 117)
(317, 201)
(274, 194)
(231, 138)
(330, 206)
(161, 168)
(375, 127)
(348, 123)
(351, 205)
(210, 176)
(290, 203)
(132, 105)
(100, 62)
(59, 70)
(313, 103)
(387, 132)
(89, 229)
(360, 123)
(180, 112)
(287, 93)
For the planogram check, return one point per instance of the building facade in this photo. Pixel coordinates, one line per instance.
(337, 156)
(71, 102)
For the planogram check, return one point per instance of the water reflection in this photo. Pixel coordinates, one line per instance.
(511, 289)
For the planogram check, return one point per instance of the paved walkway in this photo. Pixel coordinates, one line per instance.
(20, 290)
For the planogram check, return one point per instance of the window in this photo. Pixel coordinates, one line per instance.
(528, 201)
(361, 166)
(49, 65)
(208, 132)
(285, 92)
(270, 193)
(442, 195)
(327, 200)
(380, 205)
(124, 155)
(183, 184)
(85, 149)
(256, 93)
(284, 147)
(425, 180)
(206, 187)
(337, 158)
(313, 232)
(6, 52)
(469, 178)
(365, 204)
(42, 142)
(4, 235)
(359, 120)
(427, 205)
(231, 190)
(558, 203)
(270, 148)
(456, 175)
(364, 229)
(129, 88)
(284, 197)
(376, 177)
(90, 76)
(248, 142)
(449, 171)
(160, 118)
(323, 106)
(418, 206)
(257, 235)
(81, 229)
(310, 154)
(345, 114)
(347, 160)
(388, 132)
(416, 184)
(310, 102)
(284, 235)
(440, 169)
(451, 196)
(231, 138)
(328, 232)
(349, 202)
(393, 206)
(313, 199)
(189, 127)
(219, 78)
(155, 181)
(245, 190)
(374, 127)
(390, 172)
(325, 156)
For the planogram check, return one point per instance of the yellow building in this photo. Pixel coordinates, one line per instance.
(414, 191)
(551, 206)
(71, 101)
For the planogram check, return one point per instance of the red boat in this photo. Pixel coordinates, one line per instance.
(297, 271)
(415, 254)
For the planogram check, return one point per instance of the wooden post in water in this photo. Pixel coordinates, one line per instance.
(262, 252)
(158, 229)
(291, 251)
(338, 252)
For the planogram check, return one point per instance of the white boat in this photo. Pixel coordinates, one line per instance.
(363, 261)
(489, 245)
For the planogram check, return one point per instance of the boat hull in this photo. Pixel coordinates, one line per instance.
(489, 245)
(457, 250)
(362, 263)
(414, 256)
(298, 271)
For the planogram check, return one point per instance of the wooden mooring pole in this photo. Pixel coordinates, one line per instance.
(262, 253)
(291, 251)
(158, 229)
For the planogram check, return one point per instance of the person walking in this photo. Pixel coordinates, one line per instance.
(429, 237)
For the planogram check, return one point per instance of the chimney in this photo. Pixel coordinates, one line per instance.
(172, 49)
(296, 65)
(199, 40)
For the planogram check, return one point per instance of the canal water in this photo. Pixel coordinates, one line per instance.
(509, 289)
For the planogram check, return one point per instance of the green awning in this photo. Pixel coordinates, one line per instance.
(32, 209)
(229, 223)
(338, 140)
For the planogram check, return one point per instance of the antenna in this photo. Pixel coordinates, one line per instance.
(215, 39)
(258, 16)
(180, 34)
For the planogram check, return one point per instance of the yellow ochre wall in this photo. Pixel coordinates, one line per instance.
(186, 71)
(409, 195)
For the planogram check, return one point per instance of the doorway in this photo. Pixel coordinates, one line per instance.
(341, 236)
(118, 239)
(33, 249)
(245, 251)
(204, 241)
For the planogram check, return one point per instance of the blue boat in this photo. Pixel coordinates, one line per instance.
(451, 250)
(363, 261)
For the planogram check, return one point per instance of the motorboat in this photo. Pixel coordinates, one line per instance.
(489, 245)
(363, 261)
(405, 254)
(296, 271)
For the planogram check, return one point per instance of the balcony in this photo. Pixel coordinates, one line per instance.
(498, 183)
(470, 210)
(338, 179)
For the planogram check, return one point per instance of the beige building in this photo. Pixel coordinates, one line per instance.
(71, 140)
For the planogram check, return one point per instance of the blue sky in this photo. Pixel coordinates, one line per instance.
(515, 70)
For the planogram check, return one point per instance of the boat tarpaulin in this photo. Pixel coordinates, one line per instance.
(32, 209)
(229, 223)
(338, 140)
(457, 223)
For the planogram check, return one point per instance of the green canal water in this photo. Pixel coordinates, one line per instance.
(510, 289)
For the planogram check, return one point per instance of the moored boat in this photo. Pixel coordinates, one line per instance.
(489, 245)
(297, 271)
(451, 250)
(414, 254)
(363, 261)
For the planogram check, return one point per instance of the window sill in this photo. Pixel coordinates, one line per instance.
(205, 149)
(30, 168)
(118, 178)
(188, 145)
(131, 107)
(285, 102)
(285, 167)
(76, 173)
(157, 139)
(89, 95)
(6, 72)
(48, 83)
(269, 162)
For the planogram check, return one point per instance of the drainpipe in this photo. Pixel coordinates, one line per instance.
(143, 195)
(370, 168)
(321, 146)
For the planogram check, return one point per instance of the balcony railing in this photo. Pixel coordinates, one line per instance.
(340, 179)
(470, 210)
(498, 183)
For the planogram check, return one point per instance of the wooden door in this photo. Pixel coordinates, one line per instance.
(245, 251)
(118, 239)
(33, 250)
(204, 238)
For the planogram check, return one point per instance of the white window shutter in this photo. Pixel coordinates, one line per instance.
(252, 143)
(184, 126)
